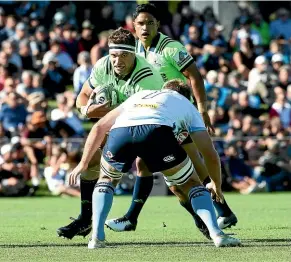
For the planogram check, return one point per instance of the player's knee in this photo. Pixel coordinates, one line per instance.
(141, 168)
(90, 175)
(179, 193)
(107, 179)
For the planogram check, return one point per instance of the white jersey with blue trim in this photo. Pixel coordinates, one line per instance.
(163, 107)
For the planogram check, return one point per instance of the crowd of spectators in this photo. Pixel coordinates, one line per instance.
(47, 50)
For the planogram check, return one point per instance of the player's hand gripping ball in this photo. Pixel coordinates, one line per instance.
(105, 94)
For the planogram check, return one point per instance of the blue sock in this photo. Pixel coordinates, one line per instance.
(102, 202)
(142, 189)
(202, 204)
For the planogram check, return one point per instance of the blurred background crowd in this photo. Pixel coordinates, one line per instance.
(47, 50)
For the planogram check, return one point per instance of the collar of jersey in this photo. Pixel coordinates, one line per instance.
(153, 44)
(129, 74)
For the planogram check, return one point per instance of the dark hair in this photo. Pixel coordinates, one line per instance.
(146, 8)
(179, 86)
(121, 36)
(250, 42)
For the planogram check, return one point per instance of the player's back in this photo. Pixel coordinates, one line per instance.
(164, 107)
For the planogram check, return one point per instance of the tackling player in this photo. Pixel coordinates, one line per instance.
(123, 74)
(171, 59)
(143, 127)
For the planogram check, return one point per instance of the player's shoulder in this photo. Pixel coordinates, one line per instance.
(103, 63)
(167, 43)
(142, 70)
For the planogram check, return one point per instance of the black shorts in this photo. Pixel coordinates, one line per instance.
(155, 144)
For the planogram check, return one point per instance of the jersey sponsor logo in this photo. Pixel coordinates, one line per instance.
(182, 55)
(169, 158)
(182, 136)
(147, 105)
(109, 154)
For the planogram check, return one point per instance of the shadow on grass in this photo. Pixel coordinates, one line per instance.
(248, 243)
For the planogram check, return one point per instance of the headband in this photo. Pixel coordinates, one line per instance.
(120, 47)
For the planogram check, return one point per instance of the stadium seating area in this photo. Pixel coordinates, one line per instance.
(47, 52)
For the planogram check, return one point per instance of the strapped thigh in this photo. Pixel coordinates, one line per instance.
(181, 176)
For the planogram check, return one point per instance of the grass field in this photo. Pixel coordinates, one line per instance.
(28, 231)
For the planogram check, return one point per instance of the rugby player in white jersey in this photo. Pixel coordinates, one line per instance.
(143, 127)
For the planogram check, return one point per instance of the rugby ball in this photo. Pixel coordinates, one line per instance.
(105, 94)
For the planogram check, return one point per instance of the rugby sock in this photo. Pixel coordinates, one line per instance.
(87, 188)
(222, 209)
(187, 205)
(102, 202)
(142, 189)
(202, 204)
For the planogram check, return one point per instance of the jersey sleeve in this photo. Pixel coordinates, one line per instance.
(176, 54)
(194, 120)
(98, 71)
(150, 81)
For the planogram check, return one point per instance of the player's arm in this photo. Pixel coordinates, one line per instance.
(86, 99)
(198, 89)
(94, 141)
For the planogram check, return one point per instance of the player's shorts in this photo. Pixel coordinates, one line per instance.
(155, 144)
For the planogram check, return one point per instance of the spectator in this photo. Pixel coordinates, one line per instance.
(63, 58)
(262, 27)
(40, 44)
(2, 20)
(87, 40)
(12, 114)
(277, 62)
(25, 55)
(246, 109)
(9, 29)
(129, 24)
(9, 86)
(12, 174)
(36, 102)
(214, 47)
(281, 27)
(289, 94)
(194, 44)
(26, 88)
(55, 174)
(37, 136)
(284, 77)
(258, 75)
(244, 58)
(275, 169)
(20, 34)
(101, 49)
(64, 113)
(70, 43)
(281, 108)
(12, 69)
(13, 57)
(245, 31)
(55, 78)
(82, 73)
(34, 23)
